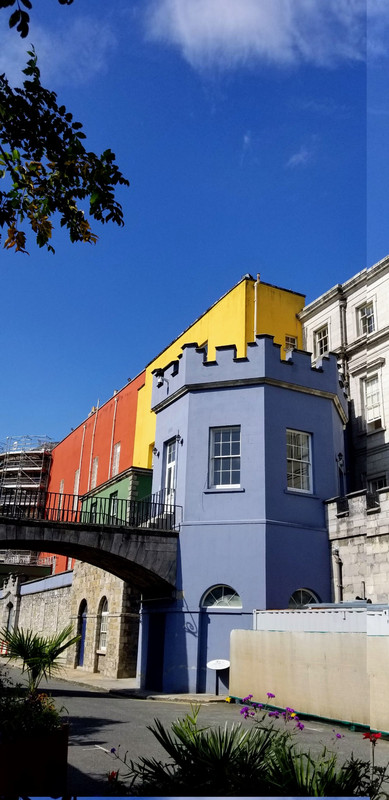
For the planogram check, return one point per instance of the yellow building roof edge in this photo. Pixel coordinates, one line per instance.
(281, 288)
(246, 277)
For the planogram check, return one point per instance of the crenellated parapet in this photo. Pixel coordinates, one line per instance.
(262, 365)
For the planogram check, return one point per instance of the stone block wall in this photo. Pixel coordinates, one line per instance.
(119, 658)
(45, 612)
(360, 536)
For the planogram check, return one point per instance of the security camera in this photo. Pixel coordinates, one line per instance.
(159, 381)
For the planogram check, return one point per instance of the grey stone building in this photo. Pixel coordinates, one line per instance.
(352, 320)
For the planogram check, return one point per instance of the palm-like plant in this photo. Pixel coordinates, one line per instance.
(39, 654)
(236, 761)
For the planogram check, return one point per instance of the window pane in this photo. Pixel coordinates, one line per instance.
(366, 319)
(224, 466)
(298, 460)
(222, 597)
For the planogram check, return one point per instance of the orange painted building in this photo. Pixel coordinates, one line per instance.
(99, 448)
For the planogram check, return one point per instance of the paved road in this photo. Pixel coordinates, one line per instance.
(100, 720)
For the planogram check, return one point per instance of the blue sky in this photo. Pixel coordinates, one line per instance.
(254, 137)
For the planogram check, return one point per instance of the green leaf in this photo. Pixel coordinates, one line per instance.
(14, 18)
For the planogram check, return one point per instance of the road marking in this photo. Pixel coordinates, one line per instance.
(318, 730)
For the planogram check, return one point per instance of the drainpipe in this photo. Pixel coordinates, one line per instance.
(256, 285)
(91, 446)
(112, 437)
(338, 576)
(81, 451)
(343, 339)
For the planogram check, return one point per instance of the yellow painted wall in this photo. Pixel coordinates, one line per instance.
(224, 323)
(229, 321)
(276, 313)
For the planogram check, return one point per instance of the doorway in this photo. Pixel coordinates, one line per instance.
(81, 630)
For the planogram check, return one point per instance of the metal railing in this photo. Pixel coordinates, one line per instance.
(148, 513)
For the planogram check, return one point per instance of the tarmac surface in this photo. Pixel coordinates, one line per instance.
(105, 713)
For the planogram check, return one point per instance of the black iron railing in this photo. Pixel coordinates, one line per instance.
(56, 507)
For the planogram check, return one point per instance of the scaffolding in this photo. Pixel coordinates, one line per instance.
(24, 472)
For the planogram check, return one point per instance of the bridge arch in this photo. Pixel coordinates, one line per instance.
(145, 558)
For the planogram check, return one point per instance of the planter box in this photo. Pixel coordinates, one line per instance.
(36, 766)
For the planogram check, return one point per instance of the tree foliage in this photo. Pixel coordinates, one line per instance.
(20, 19)
(43, 161)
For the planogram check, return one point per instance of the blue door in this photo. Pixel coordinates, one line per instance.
(82, 630)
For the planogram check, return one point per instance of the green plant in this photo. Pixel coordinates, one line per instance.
(23, 716)
(258, 761)
(39, 654)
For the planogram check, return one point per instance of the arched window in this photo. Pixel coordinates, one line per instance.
(103, 624)
(10, 616)
(221, 597)
(302, 597)
(81, 629)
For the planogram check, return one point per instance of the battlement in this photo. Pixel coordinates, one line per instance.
(263, 364)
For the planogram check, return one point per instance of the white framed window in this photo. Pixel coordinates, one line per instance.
(372, 402)
(321, 342)
(113, 508)
(115, 459)
(299, 461)
(221, 597)
(60, 497)
(290, 343)
(302, 597)
(366, 321)
(224, 457)
(170, 470)
(95, 467)
(377, 483)
(76, 488)
(103, 624)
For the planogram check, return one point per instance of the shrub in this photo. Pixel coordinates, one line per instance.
(232, 761)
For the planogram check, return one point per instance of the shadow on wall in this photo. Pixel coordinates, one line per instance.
(361, 438)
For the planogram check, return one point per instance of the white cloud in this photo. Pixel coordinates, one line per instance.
(377, 28)
(234, 33)
(300, 158)
(72, 55)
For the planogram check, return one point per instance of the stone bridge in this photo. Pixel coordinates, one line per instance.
(145, 557)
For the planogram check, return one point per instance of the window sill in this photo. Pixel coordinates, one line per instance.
(367, 432)
(101, 652)
(376, 430)
(222, 609)
(299, 493)
(223, 489)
